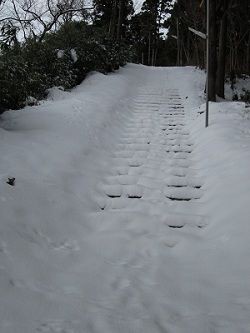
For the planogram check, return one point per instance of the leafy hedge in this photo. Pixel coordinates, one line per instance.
(62, 59)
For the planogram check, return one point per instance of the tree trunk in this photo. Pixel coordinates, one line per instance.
(213, 55)
(149, 49)
(178, 43)
(112, 26)
(156, 54)
(220, 79)
(120, 21)
(153, 57)
(196, 47)
(248, 55)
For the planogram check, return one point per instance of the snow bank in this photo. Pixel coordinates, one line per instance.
(223, 155)
(56, 151)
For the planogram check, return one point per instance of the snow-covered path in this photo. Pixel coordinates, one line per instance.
(153, 160)
(123, 214)
(152, 191)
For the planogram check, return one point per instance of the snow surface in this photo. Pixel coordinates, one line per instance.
(239, 88)
(127, 215)
(73, 55)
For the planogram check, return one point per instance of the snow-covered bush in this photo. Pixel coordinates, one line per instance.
(63, 58)
(29, 71)
(245, 96)
(13, 80)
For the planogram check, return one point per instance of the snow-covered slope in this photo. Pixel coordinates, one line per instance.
(91, 239)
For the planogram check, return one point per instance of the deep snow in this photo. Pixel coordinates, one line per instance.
(91, 239)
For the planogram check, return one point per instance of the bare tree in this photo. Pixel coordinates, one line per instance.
(36, 19)
(2, 3)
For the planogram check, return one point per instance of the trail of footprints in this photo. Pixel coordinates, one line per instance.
(152, 168)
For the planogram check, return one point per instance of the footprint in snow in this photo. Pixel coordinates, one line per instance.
(55, 327)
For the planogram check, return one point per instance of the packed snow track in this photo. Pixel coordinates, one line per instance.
(153, 194)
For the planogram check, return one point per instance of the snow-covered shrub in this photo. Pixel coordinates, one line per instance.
(13, 80)
(63, 58)
(245, 96)
(30, 71)
(30, 100)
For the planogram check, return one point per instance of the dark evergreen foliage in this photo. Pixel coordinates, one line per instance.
(63, 58)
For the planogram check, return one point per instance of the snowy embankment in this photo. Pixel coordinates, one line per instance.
(56, 151)
(66, 268)
(223, 156)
